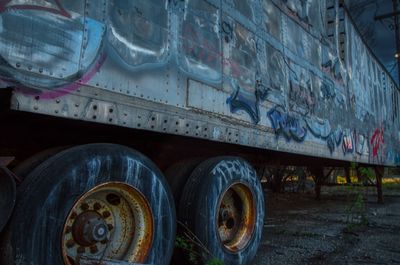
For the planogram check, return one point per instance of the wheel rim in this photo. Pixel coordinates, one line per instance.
(111, 221)
(236, 217)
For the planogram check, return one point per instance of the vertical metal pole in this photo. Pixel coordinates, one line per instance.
(348, 172)
(319, 179)
(379, 172)
(396, 26)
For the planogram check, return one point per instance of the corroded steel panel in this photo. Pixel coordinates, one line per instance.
(286, 75)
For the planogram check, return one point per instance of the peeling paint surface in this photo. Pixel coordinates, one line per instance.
(244, 57)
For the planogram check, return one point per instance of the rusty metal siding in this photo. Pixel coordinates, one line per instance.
(293, 76)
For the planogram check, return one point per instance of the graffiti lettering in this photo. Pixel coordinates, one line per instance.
(377, 141)
(348, 146)
(320, 129)
(291, 127)
(69, 48)
(238, 101)
(296, 129)
(334, 139)
(360, 144)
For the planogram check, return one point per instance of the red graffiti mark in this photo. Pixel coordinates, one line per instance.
(192, 36)
(213, 53)
(377, 140)
(67, 89)
(348, 143)
(60, 11)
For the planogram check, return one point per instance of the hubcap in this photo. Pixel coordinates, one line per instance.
(111, 221)
(89, 228)
(236, 217)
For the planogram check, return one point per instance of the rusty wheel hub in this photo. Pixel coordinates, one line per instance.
(89, 228)
(236, 217)
(111, 221)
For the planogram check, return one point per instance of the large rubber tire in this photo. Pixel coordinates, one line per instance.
(49, 192)
(7, 196)
(199, 205)
(178, 174)
(23, 169)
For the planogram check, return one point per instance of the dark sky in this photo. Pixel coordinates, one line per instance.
(380, 35)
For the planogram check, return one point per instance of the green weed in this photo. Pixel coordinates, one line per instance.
(194, 248)
(356, 213)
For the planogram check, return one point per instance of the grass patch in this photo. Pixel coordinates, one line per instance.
(391, 184)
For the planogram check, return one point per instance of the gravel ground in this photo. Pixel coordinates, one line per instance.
(346, 227)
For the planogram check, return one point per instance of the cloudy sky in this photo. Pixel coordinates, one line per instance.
(379, 34)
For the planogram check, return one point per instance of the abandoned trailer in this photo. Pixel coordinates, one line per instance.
(125, 123)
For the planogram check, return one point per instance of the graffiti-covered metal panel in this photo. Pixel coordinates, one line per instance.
(291, 76)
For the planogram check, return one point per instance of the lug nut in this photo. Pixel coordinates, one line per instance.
(81, 250)
(106, 214)
(110, 227)
(70, 243)
(97, 206)
(68, 230)
(93, 249)
(74, 215)
(85, 206)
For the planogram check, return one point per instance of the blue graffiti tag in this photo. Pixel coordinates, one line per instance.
(334, 139)
(243, 100)
(290, 126)
(319, 128)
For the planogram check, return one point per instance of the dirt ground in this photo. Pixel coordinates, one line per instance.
(346, 227)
